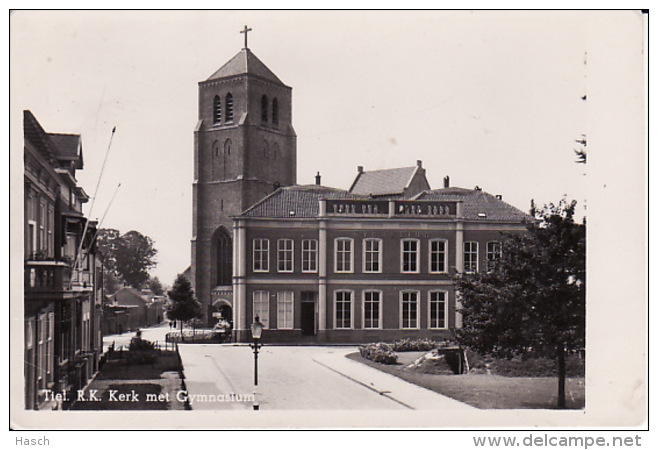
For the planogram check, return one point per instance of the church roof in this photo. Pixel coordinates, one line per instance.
(245, 63)
(383, 182)
(477, 204)
(295, 201)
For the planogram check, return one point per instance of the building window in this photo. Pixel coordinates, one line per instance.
(262, 307)
(261, 255)
(263, 108)
(372, 255)
(372, 309)
(344, 255)
(227, 147)
(284, 310)
(438, 309)
(409, 309)
(217, 109)
(42, 226)
(229, 107)
(343, 308)
(275, 111)
(309, 255)
(438, 256)
(494, 253)
(470, 257)
(285, 252)
(409, 249)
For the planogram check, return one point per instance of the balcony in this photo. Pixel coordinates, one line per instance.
(46, 276)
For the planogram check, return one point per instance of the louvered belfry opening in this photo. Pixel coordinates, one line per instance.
(229, 107)
(217, 109)
(263, 109)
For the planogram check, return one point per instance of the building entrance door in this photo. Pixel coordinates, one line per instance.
(308, 313)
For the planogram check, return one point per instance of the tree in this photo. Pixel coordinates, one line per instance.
(533, 299)
(128, 256)
(155, 286)
(183, 305)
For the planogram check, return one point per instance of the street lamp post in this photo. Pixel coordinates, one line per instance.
(256, 332)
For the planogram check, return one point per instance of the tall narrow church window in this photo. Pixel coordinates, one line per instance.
(229, 107)
(217, 110)
(227, 147)
(224, 258)
(275, 111)
(266, 150)
(263, 108)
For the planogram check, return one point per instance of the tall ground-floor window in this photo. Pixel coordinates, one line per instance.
(343, 308)
(284, 309)
(262, 307)
(372, 309)
(438, 309)
(409, 309)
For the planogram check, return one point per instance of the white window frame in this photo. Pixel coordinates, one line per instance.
(379, 255)
(402, 253)
(280, 325)
(261, 298)
(351, 293)
(310, 255)
(351, 254)
(431, 253)
(285, 251)
(417, 293)
(379, 309)
(477, 256)
(445, 309)
(261, 251)
(500, 253)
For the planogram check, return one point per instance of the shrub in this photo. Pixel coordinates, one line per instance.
(141, 351)
(379, 352)
(418, 345)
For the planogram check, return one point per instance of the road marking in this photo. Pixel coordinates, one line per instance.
(382, 393)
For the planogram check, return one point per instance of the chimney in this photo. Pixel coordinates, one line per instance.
(446, 181)
(317, 179)
(419, 163)
(359, 169)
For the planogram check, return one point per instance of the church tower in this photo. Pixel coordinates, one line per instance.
(244, 149)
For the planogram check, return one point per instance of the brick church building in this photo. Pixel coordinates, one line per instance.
(315, 263)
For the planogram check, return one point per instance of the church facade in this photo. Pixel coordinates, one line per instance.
(319, 264)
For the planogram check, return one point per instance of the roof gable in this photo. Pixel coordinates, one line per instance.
(388, 181)
(245, 63)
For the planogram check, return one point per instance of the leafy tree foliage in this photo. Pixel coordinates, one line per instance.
(128, 256)
(155, 286)
(183, 305)
(533, 299)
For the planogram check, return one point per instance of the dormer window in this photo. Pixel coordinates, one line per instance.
(263, 109)
(275, 111)
(217, 109)
(229, 107)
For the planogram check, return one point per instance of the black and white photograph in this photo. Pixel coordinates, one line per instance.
(328, 219)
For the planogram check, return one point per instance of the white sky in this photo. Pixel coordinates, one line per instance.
(490, 98)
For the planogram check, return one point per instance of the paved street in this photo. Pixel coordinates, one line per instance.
(297, 378)
(290, 377)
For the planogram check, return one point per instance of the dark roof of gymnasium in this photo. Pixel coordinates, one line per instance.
(245, 63)
(476, 202)
(383, 182)
(303, 200)
(59, 146)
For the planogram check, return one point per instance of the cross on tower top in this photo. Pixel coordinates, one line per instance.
(245, 31)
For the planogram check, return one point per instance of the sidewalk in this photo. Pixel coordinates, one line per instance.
(398, 390)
